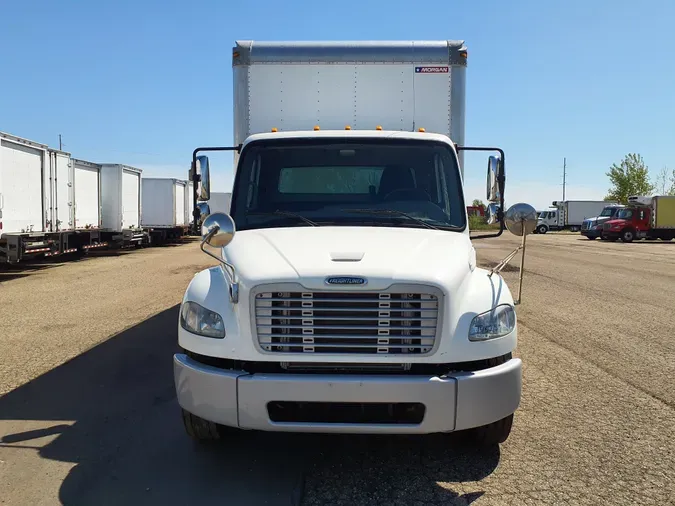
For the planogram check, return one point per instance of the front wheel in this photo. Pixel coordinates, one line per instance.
(542, 229)
(199, 429)
(627, 235)
(493, 433)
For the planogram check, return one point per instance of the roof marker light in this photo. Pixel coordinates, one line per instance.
(378, 127)
(421, 130)
(348, 127)
(274, 129)
(316, 128)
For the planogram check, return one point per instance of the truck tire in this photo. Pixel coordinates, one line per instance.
(494, 433)
(542, 229)
(591, 237)
(200, 429)
(627, 235)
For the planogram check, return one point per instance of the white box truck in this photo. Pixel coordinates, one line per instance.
(38, 202)
(121, 205)
(569, 214)
(349, 299)
(164, 215)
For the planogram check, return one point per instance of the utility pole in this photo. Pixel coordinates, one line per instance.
(564, 176)
(60, 143)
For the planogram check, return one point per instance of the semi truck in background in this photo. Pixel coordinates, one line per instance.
(48, 205)
(349, 298)
(644, 217)
(569, 214)
(592, 227)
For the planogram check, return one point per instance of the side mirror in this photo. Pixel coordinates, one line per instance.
(494, 170)
(521, 219)
(492, 213)
(204, 211)
(218, 230)
(204, 190)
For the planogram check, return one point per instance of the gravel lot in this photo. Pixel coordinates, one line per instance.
(89, 416)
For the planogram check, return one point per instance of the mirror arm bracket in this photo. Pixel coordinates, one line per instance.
(229, 269)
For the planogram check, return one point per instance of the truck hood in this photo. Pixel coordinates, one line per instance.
(382, 255)
(615, 221)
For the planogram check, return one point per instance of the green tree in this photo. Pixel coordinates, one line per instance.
(630, 177)
(665, 182)
(478, 203)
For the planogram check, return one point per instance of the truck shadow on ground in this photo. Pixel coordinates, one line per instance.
(114, 414)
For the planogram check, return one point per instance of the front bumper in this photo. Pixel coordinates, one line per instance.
(455, 402)
(591, 232)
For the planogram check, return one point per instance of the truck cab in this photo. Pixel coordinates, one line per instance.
(348, 298)
(628, 224)
(592, 227)
(547, 220)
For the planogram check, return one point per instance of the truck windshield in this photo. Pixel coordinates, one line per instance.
(607, 211)
(335, 182)
(625, 214)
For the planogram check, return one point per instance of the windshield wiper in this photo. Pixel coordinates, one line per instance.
(391, 212)
(285, 213)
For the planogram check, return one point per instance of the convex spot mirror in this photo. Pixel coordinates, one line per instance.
(521, 219)
(218, 230)
(202, 168)
(494, 170)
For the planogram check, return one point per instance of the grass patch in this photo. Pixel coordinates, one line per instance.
(478, 223)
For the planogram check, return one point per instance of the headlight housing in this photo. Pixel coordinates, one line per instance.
(492, 324)
(199, 320)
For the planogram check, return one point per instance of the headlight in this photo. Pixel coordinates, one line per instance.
(493, 324)
(199, 320)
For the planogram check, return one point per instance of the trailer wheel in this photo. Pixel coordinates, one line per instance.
(493, 433)
(200, 429)
(542, 229)
(627, 235)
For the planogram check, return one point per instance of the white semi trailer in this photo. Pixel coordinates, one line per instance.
(122, 205)
(165, 216)
(349, 299)
(47, 207)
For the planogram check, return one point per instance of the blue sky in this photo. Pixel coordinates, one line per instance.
(144, 82)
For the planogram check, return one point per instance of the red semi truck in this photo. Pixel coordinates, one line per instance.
(648, 218)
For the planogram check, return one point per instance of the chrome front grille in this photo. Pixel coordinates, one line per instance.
(356, 322)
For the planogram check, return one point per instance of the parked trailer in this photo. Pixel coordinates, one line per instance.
(648, 218)
(220, 202)
(569, 214)
(121, 206)
(37, 207)
(165, 216)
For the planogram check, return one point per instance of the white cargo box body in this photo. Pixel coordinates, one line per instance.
(400, 86)
(87, 194)
(24, 185)
(220, 202)
(164, 202)
(576, 211)
(189, 202)
(120, 197)
(61, 191)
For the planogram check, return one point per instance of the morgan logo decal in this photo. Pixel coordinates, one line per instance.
(432, 70)
(346, 280)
